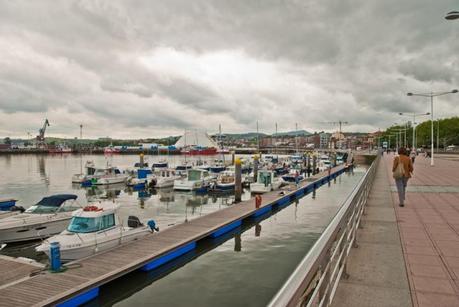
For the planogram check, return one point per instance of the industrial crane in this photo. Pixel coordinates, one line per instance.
(41, 134)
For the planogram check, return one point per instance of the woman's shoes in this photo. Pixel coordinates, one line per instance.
(402, 205)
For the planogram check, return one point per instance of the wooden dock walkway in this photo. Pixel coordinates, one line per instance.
(14, 269)
(80, 283)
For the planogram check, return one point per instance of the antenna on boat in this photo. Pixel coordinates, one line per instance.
(296, 138)
(258, 139)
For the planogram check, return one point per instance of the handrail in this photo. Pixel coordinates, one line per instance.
(315, 279)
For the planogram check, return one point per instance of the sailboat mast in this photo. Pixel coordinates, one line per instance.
(258, 139)
(296, 138)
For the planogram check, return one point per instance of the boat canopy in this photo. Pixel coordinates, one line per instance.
(56, 200)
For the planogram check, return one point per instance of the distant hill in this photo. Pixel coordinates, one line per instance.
(248, 135)
(293, 133)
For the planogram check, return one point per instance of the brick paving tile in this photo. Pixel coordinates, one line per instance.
(429, 231)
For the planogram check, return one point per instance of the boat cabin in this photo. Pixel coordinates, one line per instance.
(197, 174)
(265, 177)
(93, 218)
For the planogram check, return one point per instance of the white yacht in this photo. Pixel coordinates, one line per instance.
(196, 180)
(225, 181)
(266, 182)
(96, 228)
(87, 176)
(164, 178)
(46, 218)
(108, 175)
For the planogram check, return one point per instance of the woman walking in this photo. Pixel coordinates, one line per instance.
(401, 170)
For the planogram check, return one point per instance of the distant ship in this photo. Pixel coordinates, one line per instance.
(60, 149)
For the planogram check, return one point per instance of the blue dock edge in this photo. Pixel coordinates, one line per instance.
(169, 256)
(226, 228)
(80, 299)
(262, 211)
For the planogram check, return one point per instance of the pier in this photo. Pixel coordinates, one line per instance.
(81, 280)
(408, 256)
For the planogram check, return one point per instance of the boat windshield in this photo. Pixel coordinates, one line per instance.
(91, 224)
(42, 209)
(264, 178)
(194, 175)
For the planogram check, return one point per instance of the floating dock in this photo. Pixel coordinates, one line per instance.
(81, 281)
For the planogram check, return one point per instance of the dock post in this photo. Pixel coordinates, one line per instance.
(55, 257)
(314, 165)
(233, 154)
(255, 168)
(141, 160)
(237, 180)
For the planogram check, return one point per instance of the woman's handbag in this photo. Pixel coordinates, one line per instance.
(399, 172)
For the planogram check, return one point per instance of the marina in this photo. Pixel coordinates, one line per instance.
(169, 243)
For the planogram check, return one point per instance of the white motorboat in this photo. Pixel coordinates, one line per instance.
(225, 181)
(196, 180)
(87, 176)
(293, 176)
(46, 218)
(108, 175)
(266, 182)
(94, 229)
(164, 178)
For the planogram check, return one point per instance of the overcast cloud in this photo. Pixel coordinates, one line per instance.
(154, 68)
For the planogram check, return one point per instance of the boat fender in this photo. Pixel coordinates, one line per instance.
(152, 225)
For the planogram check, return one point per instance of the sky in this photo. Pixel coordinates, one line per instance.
(148, 68)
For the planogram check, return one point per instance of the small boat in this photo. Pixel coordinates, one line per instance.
(163, 178)
(111, 150)
(225, 181)
(47, 217)
(96, 228)
(8, 207)
(87, 176)
(293, 176)
(60, 149)
(196, 180)
(108, 175)
(266, 181)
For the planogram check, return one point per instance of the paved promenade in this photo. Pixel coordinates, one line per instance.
(426, 232)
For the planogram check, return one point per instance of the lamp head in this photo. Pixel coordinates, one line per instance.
(409, 94)
(452, 15)
(400, 113)
(454, 91)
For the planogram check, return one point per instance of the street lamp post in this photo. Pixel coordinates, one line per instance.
(413, 141)
(432, 95)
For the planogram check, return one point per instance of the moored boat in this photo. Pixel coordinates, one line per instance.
(196, 180)
(266, 181)
(96, 228)
(48, 217)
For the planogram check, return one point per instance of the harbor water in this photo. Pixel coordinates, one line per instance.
(245, 270)
(245, 267)
(29, 178)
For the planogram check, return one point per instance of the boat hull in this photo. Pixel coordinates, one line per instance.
(104, 243)
(33, 231)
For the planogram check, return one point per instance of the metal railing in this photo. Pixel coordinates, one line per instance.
(315, 279)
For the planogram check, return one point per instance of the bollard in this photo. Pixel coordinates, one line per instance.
(255, 168)
(258, 201)
(55, 257)
(141, 160)
(237, 180)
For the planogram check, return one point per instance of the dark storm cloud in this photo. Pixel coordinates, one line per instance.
(146, 66)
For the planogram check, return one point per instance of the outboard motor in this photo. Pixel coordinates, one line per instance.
(152, 225)
(134, 222)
